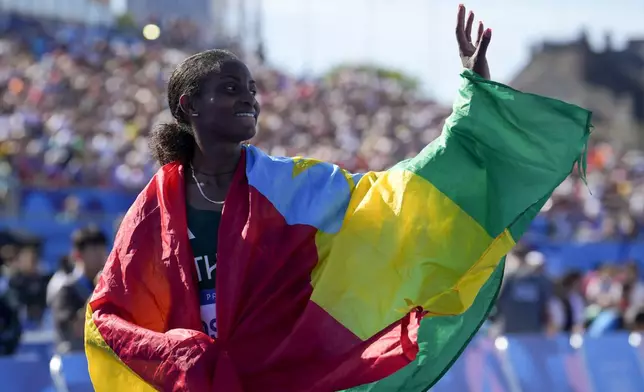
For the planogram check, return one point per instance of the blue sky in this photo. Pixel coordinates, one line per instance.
(417, 36)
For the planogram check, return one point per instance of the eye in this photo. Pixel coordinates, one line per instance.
(254, 92)
(230, 88)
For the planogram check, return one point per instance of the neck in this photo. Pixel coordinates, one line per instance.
(219, 159)
(85, 271)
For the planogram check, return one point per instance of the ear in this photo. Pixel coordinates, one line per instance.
(185, 103)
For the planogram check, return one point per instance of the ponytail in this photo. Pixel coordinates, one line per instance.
(171, 142)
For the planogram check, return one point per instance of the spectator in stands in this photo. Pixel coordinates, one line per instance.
(617, 298)
(567, 308)
(29, 284)
(65, 267)
(632, 295)
(71, 210)
(603, 290)
(89, 254)
(522, 304)
(10, 327)
(635, 321)
(631, 289)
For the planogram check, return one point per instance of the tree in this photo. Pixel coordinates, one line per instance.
(408, 82)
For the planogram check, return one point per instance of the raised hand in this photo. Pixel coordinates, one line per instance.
(472, 55)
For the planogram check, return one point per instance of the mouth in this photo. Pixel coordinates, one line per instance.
(245, 114)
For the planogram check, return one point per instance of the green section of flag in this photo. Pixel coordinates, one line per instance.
(502, 153)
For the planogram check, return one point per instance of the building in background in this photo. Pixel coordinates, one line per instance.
(219, 21)
(86, 11)
(610, 82)
(199, 12)
(144, 10)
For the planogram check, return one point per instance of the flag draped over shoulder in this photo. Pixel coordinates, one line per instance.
(323, 277)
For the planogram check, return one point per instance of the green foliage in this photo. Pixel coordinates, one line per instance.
(125, 22)
(407, 81)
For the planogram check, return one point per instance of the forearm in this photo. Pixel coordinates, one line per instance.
(116, 348)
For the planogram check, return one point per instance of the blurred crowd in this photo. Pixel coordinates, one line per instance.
(32, 299)
(79, 114)
(76, 108)
(608, 206)
(604, 299)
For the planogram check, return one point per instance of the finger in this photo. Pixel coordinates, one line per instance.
(460, 30)
(479, 34)
(468, 27)
(485, 42)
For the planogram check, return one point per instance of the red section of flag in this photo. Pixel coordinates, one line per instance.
(146, 304)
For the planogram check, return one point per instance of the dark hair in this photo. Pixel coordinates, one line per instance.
(570, 278)
(88, 236)
(639, 318)
(566, 283)
(632, 267)
(65, 264)
(174, 141)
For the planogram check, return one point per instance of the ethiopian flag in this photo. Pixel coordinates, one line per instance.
(328, 280)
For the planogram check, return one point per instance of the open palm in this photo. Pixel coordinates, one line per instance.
(472, 55)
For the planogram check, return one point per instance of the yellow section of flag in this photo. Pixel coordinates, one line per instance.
(403, 243)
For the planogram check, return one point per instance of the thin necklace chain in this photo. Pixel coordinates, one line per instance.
(192, 171)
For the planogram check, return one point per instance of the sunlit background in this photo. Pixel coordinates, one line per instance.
(361, 83)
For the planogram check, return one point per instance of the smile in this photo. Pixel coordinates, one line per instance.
(245, 114)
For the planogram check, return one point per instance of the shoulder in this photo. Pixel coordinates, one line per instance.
(55, 283)
(258, 160)
(147, 203)
(76, 285)
(303, 190)
(64, 294)
(299, 170)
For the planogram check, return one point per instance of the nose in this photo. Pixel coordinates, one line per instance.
(248, 97)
